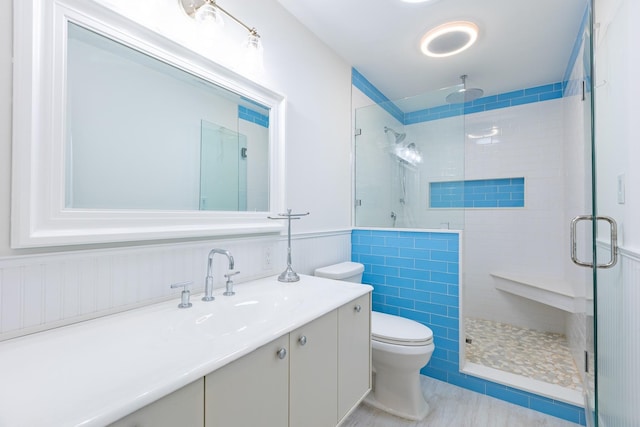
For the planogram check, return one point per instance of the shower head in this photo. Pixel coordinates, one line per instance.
(398, 136)
(464, 95)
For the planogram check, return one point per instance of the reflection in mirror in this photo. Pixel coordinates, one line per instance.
(143, 134)
(223, 158)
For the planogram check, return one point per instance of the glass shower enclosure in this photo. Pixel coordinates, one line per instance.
(422, 164)
(401, 158)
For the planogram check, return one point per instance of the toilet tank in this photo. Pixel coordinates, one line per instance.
(346, 271)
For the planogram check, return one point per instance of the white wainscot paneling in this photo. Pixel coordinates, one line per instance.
(45, 291)
(618, 344)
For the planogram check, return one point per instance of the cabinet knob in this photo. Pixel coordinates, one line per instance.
(302, 340)
(282, 353)
(358, 308)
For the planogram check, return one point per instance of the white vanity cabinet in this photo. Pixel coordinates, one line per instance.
(313, 366)
(183, 407)
(311, 377)
(354, 353)
(251, 391)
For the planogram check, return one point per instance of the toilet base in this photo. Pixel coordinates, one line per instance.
(414, 405)
(371, 401)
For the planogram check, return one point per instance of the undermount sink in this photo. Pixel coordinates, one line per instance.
(250, 308)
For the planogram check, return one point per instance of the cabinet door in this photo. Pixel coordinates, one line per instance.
(313, 381)
(354, 353)
(251, 391)
(183, 407)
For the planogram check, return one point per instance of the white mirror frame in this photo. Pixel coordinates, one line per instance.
(38, 216)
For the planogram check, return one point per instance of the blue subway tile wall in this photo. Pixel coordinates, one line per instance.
(416, 275)
(480, 193)
(252, 116)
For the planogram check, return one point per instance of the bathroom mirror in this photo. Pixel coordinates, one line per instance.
(143, 134)
(121, 134)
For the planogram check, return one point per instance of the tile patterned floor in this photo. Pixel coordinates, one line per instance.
(452, 406)
(539, 355)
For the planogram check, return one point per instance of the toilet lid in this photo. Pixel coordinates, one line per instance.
(399, 330)
(340, 271)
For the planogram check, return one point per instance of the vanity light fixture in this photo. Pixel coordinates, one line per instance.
(208, 15)
(449, 39)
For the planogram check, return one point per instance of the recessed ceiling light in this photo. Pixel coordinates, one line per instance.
(449, 39)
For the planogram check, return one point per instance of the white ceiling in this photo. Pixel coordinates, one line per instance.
(522, 43)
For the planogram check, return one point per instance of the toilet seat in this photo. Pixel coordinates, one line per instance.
(398, 330)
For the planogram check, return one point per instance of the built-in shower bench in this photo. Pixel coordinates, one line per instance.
(555, 293)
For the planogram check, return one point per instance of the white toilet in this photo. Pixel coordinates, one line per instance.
(400, 348)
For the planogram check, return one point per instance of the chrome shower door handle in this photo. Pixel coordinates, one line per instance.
(613, 228)
(614, 241)
(574, 244)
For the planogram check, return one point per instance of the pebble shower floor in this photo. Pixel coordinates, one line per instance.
(542, 356)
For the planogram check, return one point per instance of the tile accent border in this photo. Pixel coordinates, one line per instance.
(361, 82)
(416, 275)
(502, 100)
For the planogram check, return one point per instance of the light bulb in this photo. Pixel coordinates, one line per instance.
(253, 54)
(209, 20)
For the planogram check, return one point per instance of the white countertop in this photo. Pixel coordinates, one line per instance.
(95, 372)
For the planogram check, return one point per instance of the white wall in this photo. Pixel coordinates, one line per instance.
(617, 103)
(6, 40)
(317, 85)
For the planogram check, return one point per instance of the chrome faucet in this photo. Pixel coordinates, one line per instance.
(208, 284)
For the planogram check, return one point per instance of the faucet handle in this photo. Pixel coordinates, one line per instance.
(185, 295)
(229, 292)
(230, 275)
